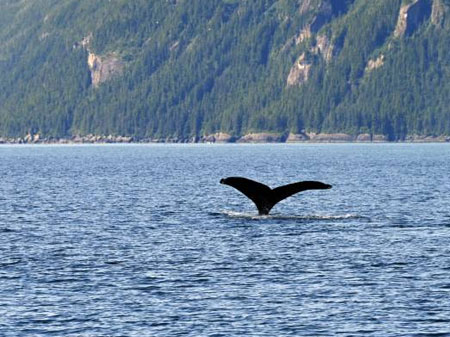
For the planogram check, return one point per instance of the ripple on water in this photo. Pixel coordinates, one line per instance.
(109, 241)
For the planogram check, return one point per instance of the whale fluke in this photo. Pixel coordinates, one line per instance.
(264, 197)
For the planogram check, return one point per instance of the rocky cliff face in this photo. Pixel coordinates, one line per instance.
(193, 69)
(261, 137)
(303, 35)
(102, 67)
(438, 13)
(324, 11)
(411, 16)
(324, 48)
(299, 73)
(374, 64)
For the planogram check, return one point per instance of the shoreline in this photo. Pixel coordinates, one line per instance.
(223, 138)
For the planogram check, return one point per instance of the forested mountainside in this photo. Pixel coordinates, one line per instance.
(223, 69)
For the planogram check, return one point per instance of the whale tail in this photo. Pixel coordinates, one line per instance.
(264, 197)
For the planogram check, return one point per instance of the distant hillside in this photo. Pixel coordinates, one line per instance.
(224, 69)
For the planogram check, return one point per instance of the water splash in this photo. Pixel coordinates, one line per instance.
(253, 216)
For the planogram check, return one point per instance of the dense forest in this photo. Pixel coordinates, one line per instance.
(185, 69)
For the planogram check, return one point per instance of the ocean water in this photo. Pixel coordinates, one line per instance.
(142, 240)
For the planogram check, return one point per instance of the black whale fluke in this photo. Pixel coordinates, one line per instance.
(264, 197)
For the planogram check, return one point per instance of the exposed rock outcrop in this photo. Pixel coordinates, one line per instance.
(323, 47)
(262, 137)
(402, 21)
(323, 15)
(427, 139)
(411, 16)
(364, 138)
(299, 73)
(219, 137)
(37, 139)
(249, 138)
(374, 64)
(297, 137)
(345, 138)
(438, 13)
(330, 137)
(303, 35)
(101, 139)
(379, 138)
(103, 67)
(367, 137)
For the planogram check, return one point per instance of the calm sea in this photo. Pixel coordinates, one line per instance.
(142, 240)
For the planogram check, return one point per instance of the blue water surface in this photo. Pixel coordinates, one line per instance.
(142, 240)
